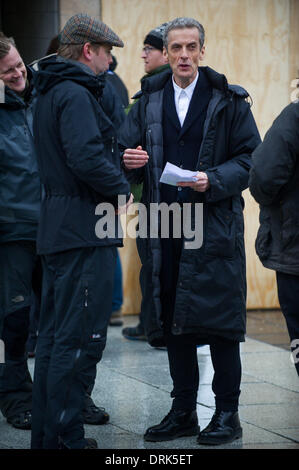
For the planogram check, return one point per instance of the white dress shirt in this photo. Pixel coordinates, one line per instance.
(182, 98)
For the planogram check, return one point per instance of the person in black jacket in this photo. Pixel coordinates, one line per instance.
(80, 170)
(19, 214)
(274, 183)
(189, 116)
(118, 84)
(154, 63)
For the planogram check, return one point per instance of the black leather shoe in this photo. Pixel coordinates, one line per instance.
(224, 427)
(175, 424)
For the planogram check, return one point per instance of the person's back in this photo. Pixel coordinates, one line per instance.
(70, 152)
(274, 183)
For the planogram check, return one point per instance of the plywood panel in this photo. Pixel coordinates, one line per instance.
(69, 8)
(253, 42)
(131, 267)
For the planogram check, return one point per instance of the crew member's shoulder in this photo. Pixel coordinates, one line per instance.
(238, 90)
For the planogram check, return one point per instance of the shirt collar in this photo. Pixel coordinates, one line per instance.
(188, 90)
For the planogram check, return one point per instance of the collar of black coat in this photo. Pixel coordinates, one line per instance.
(55, 69)
(14, 100)
(218, 81)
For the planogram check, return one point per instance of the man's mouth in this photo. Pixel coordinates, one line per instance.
(16, 81)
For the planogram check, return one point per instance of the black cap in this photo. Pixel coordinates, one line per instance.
(155, 37)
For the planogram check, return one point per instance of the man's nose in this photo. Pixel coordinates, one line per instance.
(17, 73)
(184, 53)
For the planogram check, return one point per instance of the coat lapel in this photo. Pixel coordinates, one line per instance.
(197, 104)
(169, 105)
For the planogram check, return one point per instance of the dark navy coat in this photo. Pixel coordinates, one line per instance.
(274, 183)
(19, 179)
(78, 156)
(211, 288)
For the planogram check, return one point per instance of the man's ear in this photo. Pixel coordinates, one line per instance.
(86, 51)
(165, 53)
(202, 53)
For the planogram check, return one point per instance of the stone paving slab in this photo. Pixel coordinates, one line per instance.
(134, 386)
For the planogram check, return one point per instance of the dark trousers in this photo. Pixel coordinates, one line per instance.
(75, 311)
(288, 294)
(183, 365)
(182, 349)
(19, 265)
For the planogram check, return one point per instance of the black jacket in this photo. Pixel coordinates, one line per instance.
(274, 183)
(19, 179)
(211, 289)
(77, 155)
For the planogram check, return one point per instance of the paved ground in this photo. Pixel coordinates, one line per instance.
(133, 384)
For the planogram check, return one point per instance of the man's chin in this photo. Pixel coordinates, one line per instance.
(18, 88)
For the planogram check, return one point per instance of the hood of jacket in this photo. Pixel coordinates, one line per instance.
(55, 69)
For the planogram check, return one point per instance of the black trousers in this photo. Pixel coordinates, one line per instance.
(20, 272)
(75, 312)
(288, 294)
(182, 349)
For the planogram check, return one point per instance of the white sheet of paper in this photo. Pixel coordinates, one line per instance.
(173, 174)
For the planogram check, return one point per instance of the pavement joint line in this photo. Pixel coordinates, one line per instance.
(270, 431)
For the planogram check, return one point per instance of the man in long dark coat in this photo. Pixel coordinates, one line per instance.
(190, 116)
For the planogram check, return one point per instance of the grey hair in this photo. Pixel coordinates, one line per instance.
(184, 23)
(5, 44)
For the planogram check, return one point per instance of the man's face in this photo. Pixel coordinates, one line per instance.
(101, 58)
(153, 58)
(184, 54)
(13, 71)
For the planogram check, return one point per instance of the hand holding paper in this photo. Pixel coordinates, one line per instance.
(175, 176)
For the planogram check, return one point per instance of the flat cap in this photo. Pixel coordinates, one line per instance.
(82, 28)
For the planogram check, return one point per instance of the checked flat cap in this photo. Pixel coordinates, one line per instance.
(82, 28)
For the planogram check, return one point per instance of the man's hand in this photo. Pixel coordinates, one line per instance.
(123, 209)
(202, 184)
(135, 158)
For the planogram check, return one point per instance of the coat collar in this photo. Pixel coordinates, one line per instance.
(217, 80)
(197, 104)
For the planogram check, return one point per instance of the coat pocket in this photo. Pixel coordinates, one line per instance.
(263, 241)
(220, 233)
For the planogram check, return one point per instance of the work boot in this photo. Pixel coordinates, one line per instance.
(93, 414)
(21, 421)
